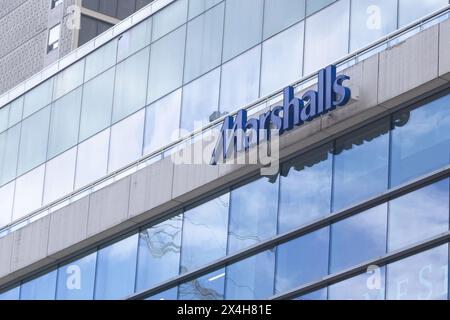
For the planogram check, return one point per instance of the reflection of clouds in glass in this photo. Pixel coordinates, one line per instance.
(356, 289)
(122, 250)
(202, 288)
(163, 238)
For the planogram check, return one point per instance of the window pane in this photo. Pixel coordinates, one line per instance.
(200, 100)
(59, 176)
(315, 5)
(69, 79)
(420, 143)
(282, 59)
(92, 160)
(76, 279)
(116, 269)
(371, 20)
(209, 287)
(253, 214)
(162, 122)
(38, 98)
(11, 294)
(33, 140)
(240, 80)
(302, 260)
(4, 114)
(252, 278)
(166, 64)
(169, 18)
(131, 85)
(135, 39)
(241, 31)
(205, 233)
(411, 10)
(9, 148)
(15, 111)
(367, 286)
(204, 43)
(305, 189)
(6, 203)
(126, 141)
(280, 14)
(28, 194)
(42, 288)
(171, 294)
(65, 122)
(420, 277)
(159, 253)
(326, 42)
(361, 156)
(197, 7)
(359, 238)
(100, 60)
(419, 215)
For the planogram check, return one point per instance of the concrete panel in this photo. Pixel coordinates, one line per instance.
(68, 226)
(409, 69)
(5, 254)
(444, 50)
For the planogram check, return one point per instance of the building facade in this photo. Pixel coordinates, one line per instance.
(93, 204)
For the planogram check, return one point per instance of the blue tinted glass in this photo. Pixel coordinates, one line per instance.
(11, 294)
(420, 140)
(159, 253)
(320, 294)
(253, 214)
(209, 287)
(358, 238)
(302, 260)
(420, 277)
(205, 233)
(171, 294)
(361, 156)
(251, 278)
(116, 269)
(367, 286)
(9, 149)
(41, 288)
(76, 279)
(315, 5)
(305, 190)
(279, 14)
(419, 215)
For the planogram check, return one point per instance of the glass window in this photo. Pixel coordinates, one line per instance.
(15, 111)
(419, 215)
(53, 37)
(126, 141)
(38, 98)
(11, 294)
(92, 160)
(305, 193)
(197, 7)
(209, 287)
(411, 10)
(200, 100)
(361, 156)
(28, 194)
(205, 233)
(135, 39)
(131, 85)
(159, 253)
(252, 278)
(358, 238)
(171, 294)
(4, 114)
(253, 213)
(97, 104)
(170, 18)
(100, 60)
(6, 203)
(367, 286)
(33, 140)
(240, 80)
(241, 31)
(326, 42)
(423, 276)
(116, 269)
(9, 148)
(69, 79)
(320, 294)
(166, 64)
(204, 43)
(162, 122)
(280, 14)
(76, 279)
(282, 58)
(371, 20)
(420, 143)
(313, 6)
(64, 124)
(302, 260)
(41, 288)
(59, 176)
